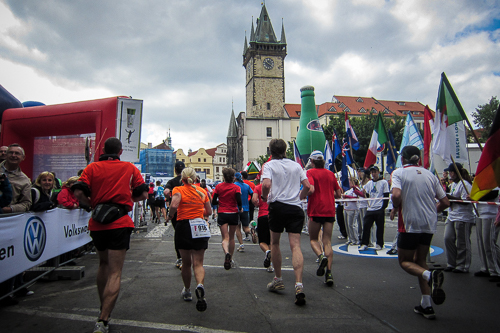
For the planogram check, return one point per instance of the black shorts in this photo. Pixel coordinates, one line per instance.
(227, 218)
(159, 202)
(410, 241)
(283, 216)
(263, 230)
(244, 219)
(113, 239)
(322, 219)
(183, 239)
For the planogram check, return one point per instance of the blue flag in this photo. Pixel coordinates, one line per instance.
(391, 161)
(346, 151)
(411, 137)
(345, 174)
(336, 145)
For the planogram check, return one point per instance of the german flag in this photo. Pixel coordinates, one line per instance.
(488, 168)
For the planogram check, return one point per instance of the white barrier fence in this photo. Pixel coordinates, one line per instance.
(29, 239)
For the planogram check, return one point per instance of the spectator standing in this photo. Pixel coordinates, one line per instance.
(459, 224)
(3, 153)
(414, 194)
(111, 236)
(21, 201)
(66, 197)
(375, 188)
(281, 180)
(41, 192)
(487, 237)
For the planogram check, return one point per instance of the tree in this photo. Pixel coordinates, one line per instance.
(484, 115)
(289, 154)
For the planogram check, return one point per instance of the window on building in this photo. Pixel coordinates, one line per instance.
(386, 111)
(197, 169)
(416, 112)
(298, 113)
(217, 169)
(224, 160)
(404, 112)
(199, 159)
(342, 105)
(204, 160)
(362, 110)
(332, 109)
(401, 103)
(269, 106)
(183, 160)
(269, 131)
(347, 110)
(359, 100)
(207, 171)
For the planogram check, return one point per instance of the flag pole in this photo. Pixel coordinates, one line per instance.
(463, 183)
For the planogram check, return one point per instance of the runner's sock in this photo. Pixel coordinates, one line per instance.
(425, 302)
(426, 275)
(299, 284)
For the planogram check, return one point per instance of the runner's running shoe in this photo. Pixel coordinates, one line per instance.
(201, 304)
(437, 294)
(300, 297)
(329, 279)
(323, 261)
(427, 312)
(276, 285)
(186, 294)
(267, 259)
(254, 235)
(101, 328)
(241, 248)
(227, 261)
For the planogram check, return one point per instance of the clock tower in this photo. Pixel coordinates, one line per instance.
(263, 60)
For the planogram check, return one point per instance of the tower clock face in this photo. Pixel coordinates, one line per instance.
(268, 63)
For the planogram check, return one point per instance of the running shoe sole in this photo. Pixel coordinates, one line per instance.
(267, 260)
(227, 261)
(321, 268)
(201, 305)
(254, 236)
(300, 298)
(437, 294)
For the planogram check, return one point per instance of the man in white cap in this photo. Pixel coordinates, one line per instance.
(321, 211)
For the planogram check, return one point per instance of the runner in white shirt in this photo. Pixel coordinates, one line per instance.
(281, 180)
(414, 190)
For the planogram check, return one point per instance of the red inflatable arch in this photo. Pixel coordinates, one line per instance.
(23, 125)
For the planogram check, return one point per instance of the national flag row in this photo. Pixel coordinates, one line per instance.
(444, 135)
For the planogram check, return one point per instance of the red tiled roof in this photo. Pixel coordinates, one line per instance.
(359, 106)
(211, 151)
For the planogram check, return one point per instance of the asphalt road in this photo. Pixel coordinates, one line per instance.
(371, 294)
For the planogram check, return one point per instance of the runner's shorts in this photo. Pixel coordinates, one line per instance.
(184, 240)
(229, 218)
(112, 239)
(285, 217)
(410, 241)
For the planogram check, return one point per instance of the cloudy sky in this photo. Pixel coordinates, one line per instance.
(184, 57)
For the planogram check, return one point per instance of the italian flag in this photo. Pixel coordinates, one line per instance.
(379, 137)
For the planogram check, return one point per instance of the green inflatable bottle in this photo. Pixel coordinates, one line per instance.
(310, 136)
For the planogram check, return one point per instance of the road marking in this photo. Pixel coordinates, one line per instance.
(122, 322)
(372, 253)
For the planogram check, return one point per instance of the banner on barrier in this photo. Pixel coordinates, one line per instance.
(28, 239)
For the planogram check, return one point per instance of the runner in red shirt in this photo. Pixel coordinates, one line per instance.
(263, 226)
(228, 196)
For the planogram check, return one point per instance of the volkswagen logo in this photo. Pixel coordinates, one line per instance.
(35, 237)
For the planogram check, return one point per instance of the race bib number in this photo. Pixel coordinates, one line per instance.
(199, 228)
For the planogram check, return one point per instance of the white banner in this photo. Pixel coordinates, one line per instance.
(128, 128)
(458, 142)
(28, 239)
